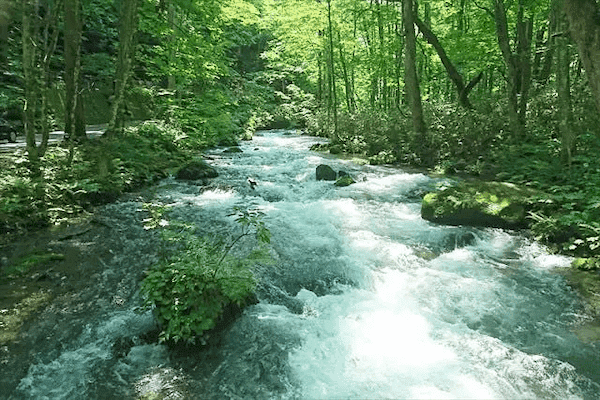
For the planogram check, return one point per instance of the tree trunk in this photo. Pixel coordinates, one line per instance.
(563, 87)
(74, 118)
(29, 32)
(38, 45)
(453, 74)
(128, 21)
(584, 23)
(413, 92)
(524, 38)
(411, 80)
(511, 61)
(333, 90)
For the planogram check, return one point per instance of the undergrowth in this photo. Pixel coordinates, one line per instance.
(98, 172)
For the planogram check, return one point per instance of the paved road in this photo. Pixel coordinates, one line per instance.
(92, 131)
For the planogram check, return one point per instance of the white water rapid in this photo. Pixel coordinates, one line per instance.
(365, 301)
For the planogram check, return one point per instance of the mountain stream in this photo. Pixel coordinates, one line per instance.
(365, 299)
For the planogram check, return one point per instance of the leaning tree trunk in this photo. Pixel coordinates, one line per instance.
(456, 78)
(584, 23)
(127, 29)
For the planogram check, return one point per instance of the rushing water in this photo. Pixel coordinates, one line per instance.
(365, 300)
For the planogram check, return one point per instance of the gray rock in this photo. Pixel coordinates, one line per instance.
(196, 170)
(326, 173)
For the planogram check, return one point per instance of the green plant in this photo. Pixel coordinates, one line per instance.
(190, 290)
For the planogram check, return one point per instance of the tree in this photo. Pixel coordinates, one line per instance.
(411, 81)
(39, 38)
(128, 24)
(456, 78)
(584, 23)
(74, 116)
(518, 67)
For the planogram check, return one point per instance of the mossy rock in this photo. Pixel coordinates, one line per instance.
(195, 170)
(345, 180)
(485, 204)
(586, 264)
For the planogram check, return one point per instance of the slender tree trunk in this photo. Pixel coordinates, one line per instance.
(512, 81)
(39, 39)
(29, 32)
(347, 84)
(74, 118)
(332, 73)
(171, 83)
(563, 86)
(127, 30)
(546, 61)
(524, 37)
(411, 81)
(584, 23)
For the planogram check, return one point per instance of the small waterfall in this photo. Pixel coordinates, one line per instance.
(365, 300)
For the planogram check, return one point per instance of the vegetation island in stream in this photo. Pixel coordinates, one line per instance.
(501, 97)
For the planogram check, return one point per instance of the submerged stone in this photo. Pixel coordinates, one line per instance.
(486, 204)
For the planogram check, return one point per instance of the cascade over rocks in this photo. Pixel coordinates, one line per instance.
(486, 204)
(196, 170)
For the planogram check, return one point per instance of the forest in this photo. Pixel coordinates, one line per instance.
(496, 89)
(502, 90)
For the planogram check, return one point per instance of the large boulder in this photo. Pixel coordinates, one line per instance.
(485, 204)
(326, 173)
(196, 170)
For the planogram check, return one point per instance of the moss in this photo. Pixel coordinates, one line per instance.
(28, 262)
(495, 204)
(12, 320)
(344, 181)
(586, 264)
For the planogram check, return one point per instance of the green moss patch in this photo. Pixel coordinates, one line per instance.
(26, 263)
(489, 204)
(11, 320)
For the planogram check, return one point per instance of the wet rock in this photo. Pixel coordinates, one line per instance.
(325, 173)
(335, 149)
(345, 180)
(196, 170)
(233, 149)
(486, 204)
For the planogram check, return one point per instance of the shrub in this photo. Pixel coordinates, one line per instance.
(191, 289)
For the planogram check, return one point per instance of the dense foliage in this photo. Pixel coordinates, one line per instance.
(192, 288)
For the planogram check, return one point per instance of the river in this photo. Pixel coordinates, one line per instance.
(365, 299)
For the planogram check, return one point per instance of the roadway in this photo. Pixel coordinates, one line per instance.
(92, 131)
